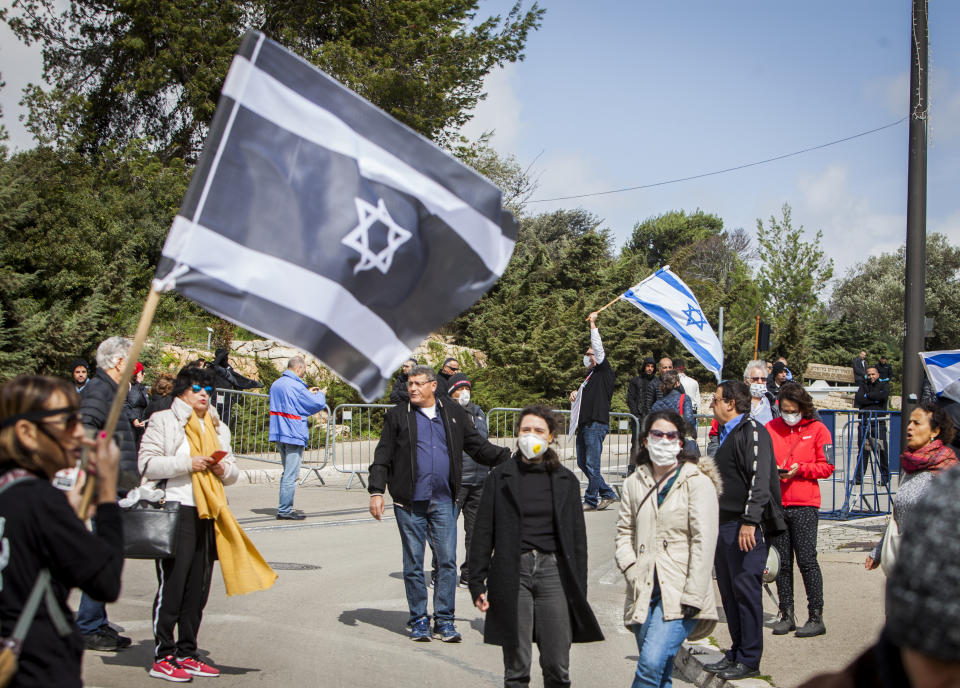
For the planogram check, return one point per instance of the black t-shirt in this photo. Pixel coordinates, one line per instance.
(40, 530)
(595, 406)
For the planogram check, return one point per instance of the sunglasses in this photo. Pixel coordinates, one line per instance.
(197, 388)
(757, 379)
(73, 416)
(660, 434)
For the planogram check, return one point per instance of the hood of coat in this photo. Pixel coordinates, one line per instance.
(709, 469)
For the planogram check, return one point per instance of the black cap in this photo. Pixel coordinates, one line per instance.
(778, 367)
(77, 363)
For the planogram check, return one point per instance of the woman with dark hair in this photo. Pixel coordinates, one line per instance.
(41, 434)
(675, 399)
(180, 444)
(928, 453)
(161, 395)
(666, 536)
(528, 557)
(801, 445)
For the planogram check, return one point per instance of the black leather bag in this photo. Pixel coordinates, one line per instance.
(150, 529)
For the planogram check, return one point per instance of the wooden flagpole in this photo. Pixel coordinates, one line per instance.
(600, 310)
(756, 339)
(143, 327)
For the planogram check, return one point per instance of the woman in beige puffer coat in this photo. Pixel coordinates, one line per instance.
(666, 537)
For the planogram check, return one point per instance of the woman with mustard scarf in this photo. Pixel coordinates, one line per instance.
(178, 455)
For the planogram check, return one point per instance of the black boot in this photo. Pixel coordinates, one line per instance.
(785, 621)
(814, 625)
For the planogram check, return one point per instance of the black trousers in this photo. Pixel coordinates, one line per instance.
(739, 577)
(468, 499)
(542, 615)
(800, 539)
(872, 436)
(184, 585)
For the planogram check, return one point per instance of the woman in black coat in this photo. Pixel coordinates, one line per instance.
(528, 557)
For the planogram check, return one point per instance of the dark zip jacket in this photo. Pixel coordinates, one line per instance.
(394, 466)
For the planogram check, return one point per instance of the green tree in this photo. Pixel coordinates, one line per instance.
(871, 295)
(128, 69)
(792, 274)
(656, 238)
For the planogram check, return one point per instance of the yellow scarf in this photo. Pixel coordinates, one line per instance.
(243, 569)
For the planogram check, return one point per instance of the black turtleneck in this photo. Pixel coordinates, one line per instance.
(536, 508)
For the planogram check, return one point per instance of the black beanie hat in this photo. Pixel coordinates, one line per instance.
(456, 381)
(77, 363)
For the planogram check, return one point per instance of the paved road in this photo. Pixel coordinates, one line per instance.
(339, 620)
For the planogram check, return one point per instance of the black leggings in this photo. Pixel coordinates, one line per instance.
(800, 538)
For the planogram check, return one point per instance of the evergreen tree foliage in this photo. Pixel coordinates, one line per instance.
(656, 238)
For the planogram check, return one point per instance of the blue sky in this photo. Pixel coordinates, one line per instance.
(616, 94)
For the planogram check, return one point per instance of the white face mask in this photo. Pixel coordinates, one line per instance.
(587, 362)
(663, 452)
(791, 418)
(532, 445)
(464, 397)
(757, 389)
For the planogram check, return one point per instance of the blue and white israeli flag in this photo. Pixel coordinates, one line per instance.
(665, 298)
(943, 371)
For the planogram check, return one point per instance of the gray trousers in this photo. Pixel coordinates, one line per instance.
(542, 615)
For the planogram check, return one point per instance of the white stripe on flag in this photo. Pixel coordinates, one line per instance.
(264, 95)
(301, 290)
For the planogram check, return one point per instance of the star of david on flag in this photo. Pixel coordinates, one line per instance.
(665, 298)
(943, 371)
(318, 220)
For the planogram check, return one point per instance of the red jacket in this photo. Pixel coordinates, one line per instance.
(801, 444)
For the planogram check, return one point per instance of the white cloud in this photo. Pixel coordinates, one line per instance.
(500, 112)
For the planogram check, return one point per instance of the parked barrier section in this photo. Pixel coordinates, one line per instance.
(354, 432)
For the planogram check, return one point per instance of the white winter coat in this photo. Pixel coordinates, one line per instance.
(676, 539)
(165, 453)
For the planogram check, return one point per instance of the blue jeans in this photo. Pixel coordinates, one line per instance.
(417, 522)
(589, 451)
(290, 455)
(91, 614)
(657, 643)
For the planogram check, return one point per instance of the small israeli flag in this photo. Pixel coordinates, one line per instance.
(665, 298)
(943, 371)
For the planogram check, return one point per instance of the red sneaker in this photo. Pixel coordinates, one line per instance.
(168, 669)
(195, 667)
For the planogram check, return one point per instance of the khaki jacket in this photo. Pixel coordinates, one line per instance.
(165, 452)
(677, 540)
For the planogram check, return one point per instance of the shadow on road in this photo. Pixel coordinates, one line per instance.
(393, 621)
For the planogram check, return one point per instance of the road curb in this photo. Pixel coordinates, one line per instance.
(692, 657)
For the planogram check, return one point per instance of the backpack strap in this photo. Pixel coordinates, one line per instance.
(682, 397)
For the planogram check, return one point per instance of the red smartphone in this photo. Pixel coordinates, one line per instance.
(217, 455)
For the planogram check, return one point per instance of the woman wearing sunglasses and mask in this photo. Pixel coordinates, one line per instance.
(800, 444)
(41, 434)
(186, 439)
(528, 557)
(666, 536)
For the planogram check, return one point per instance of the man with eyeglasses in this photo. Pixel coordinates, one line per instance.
(750, 488)
(418, 458)
(95, 403)
(291, 403)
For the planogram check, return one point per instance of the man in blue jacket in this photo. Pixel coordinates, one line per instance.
(291, 403)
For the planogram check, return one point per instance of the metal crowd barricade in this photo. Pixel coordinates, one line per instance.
(247, 414)
(353, 433)
(502, 423)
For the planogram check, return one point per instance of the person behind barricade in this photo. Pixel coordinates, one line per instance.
(675, 399)
(927, 456)
(418, 458)
(777, 377)
(137, 401)
(528, 558)
(803, 448)
(41, 434)
(763, 405)
(80, 374)
(919, 646)
(291, 403)
(640, 397)
(161, 394)
(95, 403)
(185, 456)
(671, 499)
(473, 474)
(225, 378)
(590, 417)
(398, 395)
(871, 399)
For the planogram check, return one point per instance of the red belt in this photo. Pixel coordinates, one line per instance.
(286, 415)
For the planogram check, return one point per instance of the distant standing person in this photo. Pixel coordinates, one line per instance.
(763, 407)
(884, 369)
(291, 403)
(871, 399)
(451, 366)
(777, 378)
(80, 374)
(137, 401)
(641, 393)
(590, 416)
(161, 394)
(860, 368)
(663, 366)
(398, 395)
(690, 386)
(674, 398)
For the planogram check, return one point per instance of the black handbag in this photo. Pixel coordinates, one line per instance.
(150, 529)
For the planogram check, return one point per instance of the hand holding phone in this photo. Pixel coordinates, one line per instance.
(217, 456)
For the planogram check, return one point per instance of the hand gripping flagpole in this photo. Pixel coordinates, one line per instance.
(146, 319)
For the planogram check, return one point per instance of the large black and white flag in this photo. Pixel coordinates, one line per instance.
(317, 219)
